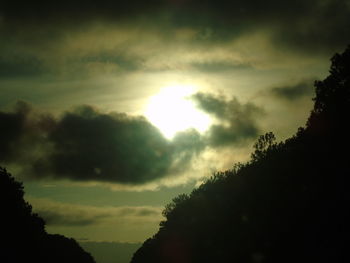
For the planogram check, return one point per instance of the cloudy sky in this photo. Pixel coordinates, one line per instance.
(109, 109)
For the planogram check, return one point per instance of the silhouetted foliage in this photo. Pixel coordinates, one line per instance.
(23, 235)
(332, 97)
(289, 203)
(262, 147)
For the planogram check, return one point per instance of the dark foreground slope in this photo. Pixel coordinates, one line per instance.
(290, 203)
(22, 233)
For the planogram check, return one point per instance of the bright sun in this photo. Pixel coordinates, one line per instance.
(171, 110)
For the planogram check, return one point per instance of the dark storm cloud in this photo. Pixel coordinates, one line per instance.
(108, 147)
(238, 122)
(294, 92)
(67, 11)
(325, 25)
(87, 145)
(312, 25)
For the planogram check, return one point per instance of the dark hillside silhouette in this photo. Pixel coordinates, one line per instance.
(23, 235)
(289, 203)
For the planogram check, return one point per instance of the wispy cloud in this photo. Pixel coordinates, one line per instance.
(294, 92)
(66, 214)
(237, 121)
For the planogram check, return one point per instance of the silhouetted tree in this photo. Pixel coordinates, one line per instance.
(332, 99)
(265, 143)
(290, 203)
(22, 233)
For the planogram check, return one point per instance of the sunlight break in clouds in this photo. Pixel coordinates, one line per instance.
(171, 110)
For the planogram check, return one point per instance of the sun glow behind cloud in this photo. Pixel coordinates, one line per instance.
(172, 110)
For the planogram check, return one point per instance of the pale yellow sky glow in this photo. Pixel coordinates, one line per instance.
(172, 110)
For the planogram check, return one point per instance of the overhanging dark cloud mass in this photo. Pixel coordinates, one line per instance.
(311, 25)
(90, 39)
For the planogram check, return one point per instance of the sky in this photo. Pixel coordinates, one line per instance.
(109, 109)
